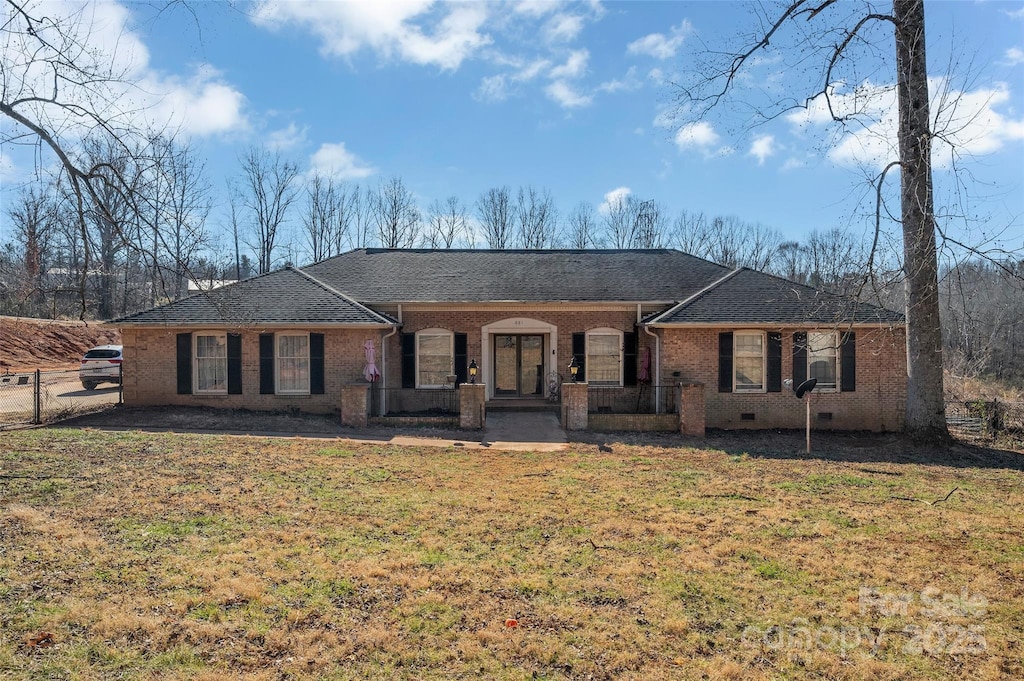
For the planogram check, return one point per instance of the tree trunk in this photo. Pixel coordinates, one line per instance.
(925, 417)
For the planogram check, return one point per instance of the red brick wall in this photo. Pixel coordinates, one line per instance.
(150, 371)
(877, 404)
(471, 323)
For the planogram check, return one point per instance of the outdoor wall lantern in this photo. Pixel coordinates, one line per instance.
(574, 368)
(472, 371)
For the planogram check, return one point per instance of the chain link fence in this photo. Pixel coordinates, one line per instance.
(985, 417)
(48, 396)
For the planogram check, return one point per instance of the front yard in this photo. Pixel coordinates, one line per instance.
(173, 556)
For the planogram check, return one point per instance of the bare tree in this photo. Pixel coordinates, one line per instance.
(186, 209)
(359, 213)
(833, 33)
(269, 186)
(320, 217)
(634, 223)
(32, 217)
(536, 218)
(394, 211)
(446, 223)
(581, 227)
(494, 209)
(691, 233)
(619, 221)
(56, 90)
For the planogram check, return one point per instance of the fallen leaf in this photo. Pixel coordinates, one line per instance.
(43, 639)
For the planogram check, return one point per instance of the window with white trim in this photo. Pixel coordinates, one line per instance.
(748, 362)
(210, 356)
(291, 357)
(822, 356)
(435, 357)
(604, 357)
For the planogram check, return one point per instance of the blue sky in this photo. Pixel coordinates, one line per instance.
(574, 97)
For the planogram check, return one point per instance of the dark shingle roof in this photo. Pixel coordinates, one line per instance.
(384, 275)
(750, 297)
(327, 292)
(287, 296)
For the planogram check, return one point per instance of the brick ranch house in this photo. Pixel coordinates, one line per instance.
(637, 322)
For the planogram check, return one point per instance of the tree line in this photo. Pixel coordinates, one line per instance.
(145, 247)
(150, 230)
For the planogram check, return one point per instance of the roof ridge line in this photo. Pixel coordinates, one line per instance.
(707, 289)
(331, 289)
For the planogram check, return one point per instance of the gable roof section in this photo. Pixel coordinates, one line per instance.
(288, 296)
(751, 297)
(454, 276)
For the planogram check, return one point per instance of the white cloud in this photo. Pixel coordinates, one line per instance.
(334, 160)
(8, 168)
(763, 147)
(627, 83)
(563, 28)
(493, 89)
(499, 87)
(664, 119)
(965, 123)
(574, 67)
(404, 29)
(792, 164)
(536, 8)
(660, 45)
(1014, 56)
(287, 138)
(201, 105)
(699, 135)
(124, 89)
(566, 95)
(614, 198)
(1015, 13)
(656, 74)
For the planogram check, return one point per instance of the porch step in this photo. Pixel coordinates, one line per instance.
(524, 405)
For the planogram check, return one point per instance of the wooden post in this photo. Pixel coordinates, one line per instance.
(807, 398)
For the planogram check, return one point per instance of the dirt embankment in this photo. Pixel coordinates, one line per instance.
(27, 344)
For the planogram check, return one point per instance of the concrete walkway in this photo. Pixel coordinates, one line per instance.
(524, 430)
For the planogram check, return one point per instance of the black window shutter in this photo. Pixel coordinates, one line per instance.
(629, 341)
(408, 360)
(266, 364)
(316, 364)
(848, 363)
(774, 382)
(461, 360)
(234, 364)
(799, 358)
(579, 353)
(725, 362)
(184, 363)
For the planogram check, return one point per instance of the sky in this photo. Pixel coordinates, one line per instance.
(579, 98)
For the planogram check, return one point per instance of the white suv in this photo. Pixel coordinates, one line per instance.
(101, 364)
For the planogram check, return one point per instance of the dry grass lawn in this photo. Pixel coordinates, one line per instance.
(163, 556)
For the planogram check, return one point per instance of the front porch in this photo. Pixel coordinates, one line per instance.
(679, 408)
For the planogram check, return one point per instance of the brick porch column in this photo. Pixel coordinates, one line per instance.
(692, 412)
(472, 412)
(574, 406)
(354, 398)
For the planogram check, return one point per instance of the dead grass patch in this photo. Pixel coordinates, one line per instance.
(188, 556)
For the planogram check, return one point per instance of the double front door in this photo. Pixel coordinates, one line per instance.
(518, 365)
